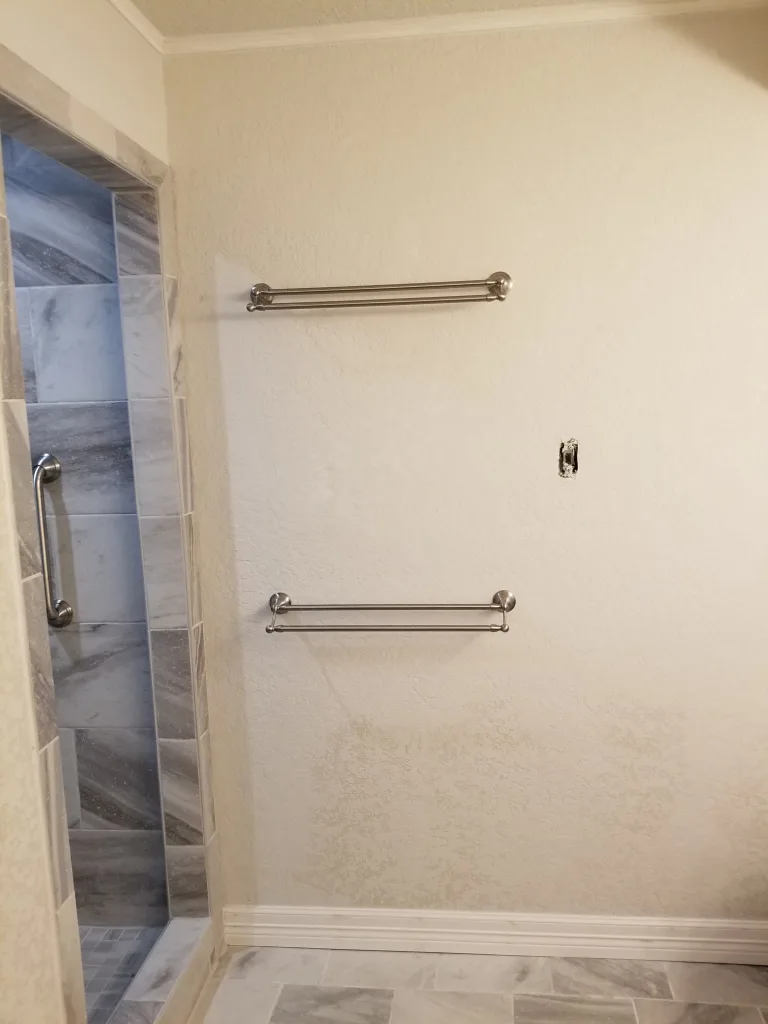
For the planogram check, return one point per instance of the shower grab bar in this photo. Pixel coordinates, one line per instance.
(59, 611)
(503, 601)
(494, 288)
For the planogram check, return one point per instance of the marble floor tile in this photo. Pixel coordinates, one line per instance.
(78, 344)
(15, 415)
(154, 457)
(138, 244)
(364, 969)
(93, 443)
(40, 660)
(61, 222)
(278, 966)
(135, 1013)
(102, 677)
(117, 771)
(168, 958)
(187, 881)
(172, 672)
(479, 973)
(98, 566)
(180, 786)
(119, 877)
(572, 1010)
(307, 1004)
(719, 983)
(661, 1011)
(418, 1007)
(161, 540)
(144, 344)
(235, 1003)
(599, 977)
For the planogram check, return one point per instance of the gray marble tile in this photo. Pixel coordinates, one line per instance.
(180, 786)
(366, 969)
(201, 686)
(61, 223)
(144, 341)
(719, 983)
(660, 1011)
(138, 247)
(597, 977)
(570, 1010)
(206, 785)
(56, 821)
(477, 973)
(193, 577)
(138, 160)
(102, 676)
(15, 414)
(98, 566)
(235, 1003)
(117, 770)
(167, 960)
(69, 776)
(308, 1004)
(40, 660)
(27, 345)
(166, 208)
(93, 443)
(119, 877)
(129, 1012)
(11, 370)
(184, 454)
(154, 455)
(175, 341)
(187, 884)
(78, 344)
(172, 674)
(276, 965)
(161, 541)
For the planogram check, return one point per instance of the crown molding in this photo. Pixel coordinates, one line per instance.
(141, 23)
(448, 24)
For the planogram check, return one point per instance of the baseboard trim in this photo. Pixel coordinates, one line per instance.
(442, 931)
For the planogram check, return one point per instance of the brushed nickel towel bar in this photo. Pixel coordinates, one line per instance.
(502, 601)
(493, 289)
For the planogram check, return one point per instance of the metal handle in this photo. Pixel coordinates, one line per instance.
(47, 470)
(503, 601)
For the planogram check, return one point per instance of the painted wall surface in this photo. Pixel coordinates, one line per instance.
(93, 53)
(608, 755)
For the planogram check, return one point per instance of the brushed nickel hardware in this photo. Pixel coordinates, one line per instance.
(503, 601)
(46, 471)
(494, 288)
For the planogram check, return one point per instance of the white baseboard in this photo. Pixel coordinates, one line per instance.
(444, 931)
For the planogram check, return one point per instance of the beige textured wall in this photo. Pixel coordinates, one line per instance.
(91, 51)
(609, 754)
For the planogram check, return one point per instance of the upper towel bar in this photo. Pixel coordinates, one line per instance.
(493, 288)
(502, 601)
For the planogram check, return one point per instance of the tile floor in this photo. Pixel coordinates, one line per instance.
(111, 959)
(307, 986)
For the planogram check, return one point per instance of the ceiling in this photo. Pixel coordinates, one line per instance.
(201, 17)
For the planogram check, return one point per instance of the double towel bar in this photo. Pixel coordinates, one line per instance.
(494, 288)
(502, 601)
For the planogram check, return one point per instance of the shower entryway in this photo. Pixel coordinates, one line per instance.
(106, 543)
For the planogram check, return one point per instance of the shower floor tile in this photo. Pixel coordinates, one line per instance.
(111, 959)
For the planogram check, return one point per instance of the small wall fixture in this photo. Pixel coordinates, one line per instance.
(427, 293)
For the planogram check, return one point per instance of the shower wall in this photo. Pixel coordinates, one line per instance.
(67, 291)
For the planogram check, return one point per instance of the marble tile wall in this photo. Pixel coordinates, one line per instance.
(66, 273)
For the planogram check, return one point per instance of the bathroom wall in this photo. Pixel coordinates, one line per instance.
(607, 755)
(68, 308)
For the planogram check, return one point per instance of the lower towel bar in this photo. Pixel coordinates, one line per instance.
(503, 601)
